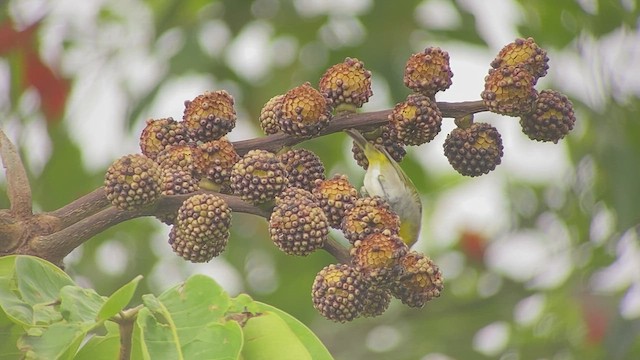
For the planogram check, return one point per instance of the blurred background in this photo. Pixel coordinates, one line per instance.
(541, 257)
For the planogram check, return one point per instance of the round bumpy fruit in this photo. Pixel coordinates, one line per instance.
(335, 196)
(210, 116)
(415, 121)
(180, 157)
(377, 256)
(268, 119)
(509, 90)
(215, 161)
(420, 281)
(258, 177)
(377, 301)
(428, 72)
(159, 134)
(132, 181)
(298, 226)
(369, 215)
(552, 119)
(339, 292)
(475, 150)
(347, 85)
(304, 168)
(202, 226)
(382, 138)
(176, 181)
(526, 53)
(303, 112)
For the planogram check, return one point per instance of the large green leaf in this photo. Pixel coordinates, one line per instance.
(197, 302)
(9, 334)
(268, 336)
(100, 348)
(58, 341)
(217, 341)
(158, 338)
(15, 309)
(38, 280)
(314, 346)
(265, 335)
(29, 289)
(80, 305)
(187, 321)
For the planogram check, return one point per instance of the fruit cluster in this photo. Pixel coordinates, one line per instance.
(194, 157)
(183, 157)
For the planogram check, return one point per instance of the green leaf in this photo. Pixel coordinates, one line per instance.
(216, 341)
(16, 310)
(39, 281)
(213, 340)
(314, 346)
(119, 299)
(100, 348)
(197, 302)
(80, 305)
(58, 341)
(138, 350)
(243, 303)
(9, 334)
(157, 339)
(29, 289)
(268, 336)
(187, 321)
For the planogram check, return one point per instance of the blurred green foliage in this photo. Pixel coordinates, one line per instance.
(575, 320)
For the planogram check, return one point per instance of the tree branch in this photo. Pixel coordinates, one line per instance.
(362, 121)
(95, 201)
(81, 208)
(56, 246)
(92, 213)
(18, 188)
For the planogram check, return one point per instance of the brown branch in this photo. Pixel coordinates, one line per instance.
(125, 321)
(91, 214)
(56, 246)
(18, 188)
(126, 336)
(333, 247)
(363, 121)
(96, 201)
(82, 207)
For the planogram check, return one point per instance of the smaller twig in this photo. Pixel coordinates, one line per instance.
(362, 121)
(333, 247)
(18, 188)
(125, 321)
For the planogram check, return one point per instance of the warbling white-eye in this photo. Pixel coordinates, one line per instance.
(385, 178)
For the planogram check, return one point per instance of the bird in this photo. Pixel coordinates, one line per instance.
(385, 178)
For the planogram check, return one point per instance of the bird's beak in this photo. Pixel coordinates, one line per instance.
(357, 137)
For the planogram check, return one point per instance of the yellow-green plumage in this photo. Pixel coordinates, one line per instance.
(385, 178)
